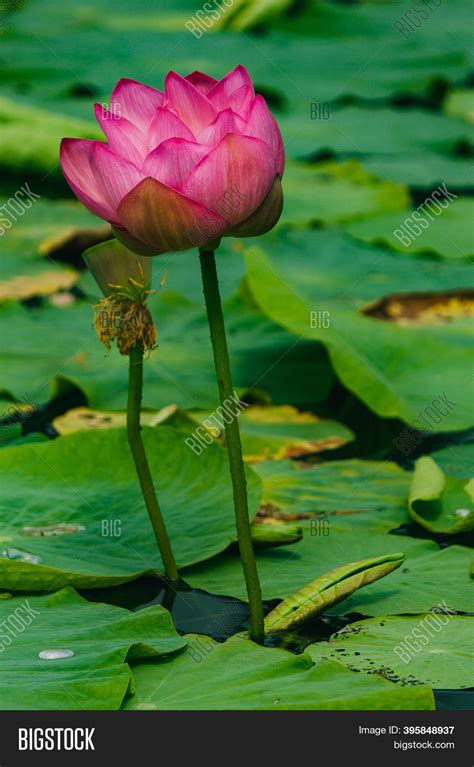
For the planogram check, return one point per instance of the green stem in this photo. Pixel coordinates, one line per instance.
(135, 385)
(234, 447)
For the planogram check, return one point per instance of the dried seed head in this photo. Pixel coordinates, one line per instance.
(128, 323)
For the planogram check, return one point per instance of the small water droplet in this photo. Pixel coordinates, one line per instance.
(20, 556)
(55, 654)
(462, 513)
(62, 528)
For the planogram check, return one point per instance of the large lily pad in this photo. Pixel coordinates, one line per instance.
(278, 432)
(391, 362)
(335, 192)
(99, 638)
(87, 481)
(338, 487)
(433, 648)
(449, 235)
(440, 503)
(240, 675)
(457, 460)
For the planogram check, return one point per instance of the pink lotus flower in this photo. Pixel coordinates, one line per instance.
(181, 168)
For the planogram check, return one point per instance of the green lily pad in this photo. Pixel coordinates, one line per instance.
(99, 640)
(428, 578)
(50, 343)
(450, 235)
(332, 192)
(440, 503)
(239, 675)
(460, 103)
(278, 432)
(433, 648)
(389, 360)
(87, 480)
(266, 431)
(338, 487)
(435, 579)
(86, 419)
(456, 460)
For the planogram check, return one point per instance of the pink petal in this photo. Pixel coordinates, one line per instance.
(202, 82)
(192, 106)
(124, 138)
(233, 80)
(262, 125)
(165, 125)
(226, 122)
(75, 156)
(173, 160)
(136, 102)
(234, 178)
(241, 100)
(167, 220)
(115, 176)
(265, 217)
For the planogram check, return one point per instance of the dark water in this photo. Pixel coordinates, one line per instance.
(197, 612)
(193, 611)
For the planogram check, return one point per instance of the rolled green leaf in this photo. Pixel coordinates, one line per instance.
(267, 536)
(439, 503)
(328, 590)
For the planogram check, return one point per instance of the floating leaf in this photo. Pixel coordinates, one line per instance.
(278, 432)
(417, 147)
(336, 487)
(447, 233)
(88, 479)
(86, 419)
(333, 192)
(456, 460)
(433, 648)
(440, 503)
(240, 675)
(393, 367)
(67, 653)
